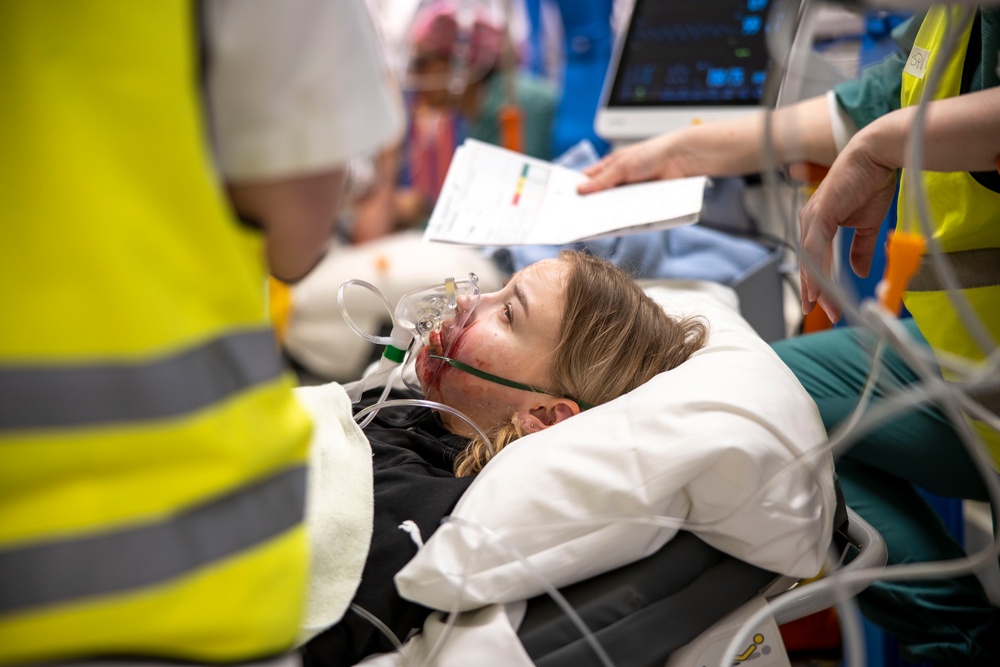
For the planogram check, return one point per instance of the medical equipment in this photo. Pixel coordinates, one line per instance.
(677, 63)
(420, 319)
(496, 379)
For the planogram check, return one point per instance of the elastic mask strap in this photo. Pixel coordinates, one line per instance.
(496, 379)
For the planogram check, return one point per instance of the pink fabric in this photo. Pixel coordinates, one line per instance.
(432, 144)
(436, 32)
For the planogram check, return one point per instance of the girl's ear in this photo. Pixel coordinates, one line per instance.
(544, 415)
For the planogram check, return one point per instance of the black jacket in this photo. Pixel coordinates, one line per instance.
(413, 455)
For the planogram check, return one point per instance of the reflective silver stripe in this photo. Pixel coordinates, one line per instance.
(973, 268)
(140, 556)
(42, 396)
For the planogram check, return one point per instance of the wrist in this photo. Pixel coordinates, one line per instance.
(712, 149)
(883, 141)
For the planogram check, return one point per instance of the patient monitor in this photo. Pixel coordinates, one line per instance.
(679, 63)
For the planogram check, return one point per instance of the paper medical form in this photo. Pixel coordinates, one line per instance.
(493, 196)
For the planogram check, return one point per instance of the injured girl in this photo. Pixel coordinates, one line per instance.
(562, 336)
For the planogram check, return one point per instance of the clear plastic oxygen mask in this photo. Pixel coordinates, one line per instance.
(418, 320)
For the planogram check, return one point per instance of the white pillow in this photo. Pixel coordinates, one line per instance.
(701, 442)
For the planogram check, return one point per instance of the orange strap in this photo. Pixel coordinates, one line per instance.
(511, 128)
(808, 175)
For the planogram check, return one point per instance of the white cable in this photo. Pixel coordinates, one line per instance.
(837, 581)
(377, 340)
(534, 572)
(373, 409)
(377, 622)
(852, 632)
(424, 403)
(785, 45)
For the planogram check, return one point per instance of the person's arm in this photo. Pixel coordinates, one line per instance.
(960, 134)
(297, 216)
(295, 89)
(800, 133)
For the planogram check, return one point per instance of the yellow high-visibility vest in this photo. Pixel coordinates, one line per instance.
(152, 455)
(965, 216)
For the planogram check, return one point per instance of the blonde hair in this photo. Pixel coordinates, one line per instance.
(613, 339)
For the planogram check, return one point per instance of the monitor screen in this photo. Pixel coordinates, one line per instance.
(680, 61)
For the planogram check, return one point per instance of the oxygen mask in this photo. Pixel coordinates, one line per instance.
(430, 316)
(429, 312)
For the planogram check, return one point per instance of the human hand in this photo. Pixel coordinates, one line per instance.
(653, 159)
(856, 193)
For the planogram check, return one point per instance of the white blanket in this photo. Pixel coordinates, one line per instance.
(339, 506)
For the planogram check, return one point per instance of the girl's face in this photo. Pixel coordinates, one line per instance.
(511, 333)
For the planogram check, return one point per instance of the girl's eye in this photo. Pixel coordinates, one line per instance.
(508, 312)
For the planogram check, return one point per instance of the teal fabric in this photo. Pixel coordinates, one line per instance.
(986, 75)
(537, 100)
(876, 92)
(949, 621)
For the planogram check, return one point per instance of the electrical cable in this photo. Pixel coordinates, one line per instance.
(946, 396)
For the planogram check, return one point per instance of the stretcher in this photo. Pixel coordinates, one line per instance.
(681, 606)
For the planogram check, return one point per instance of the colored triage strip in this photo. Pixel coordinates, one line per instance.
(520, 185)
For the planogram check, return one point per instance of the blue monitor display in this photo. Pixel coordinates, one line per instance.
(692, 53)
